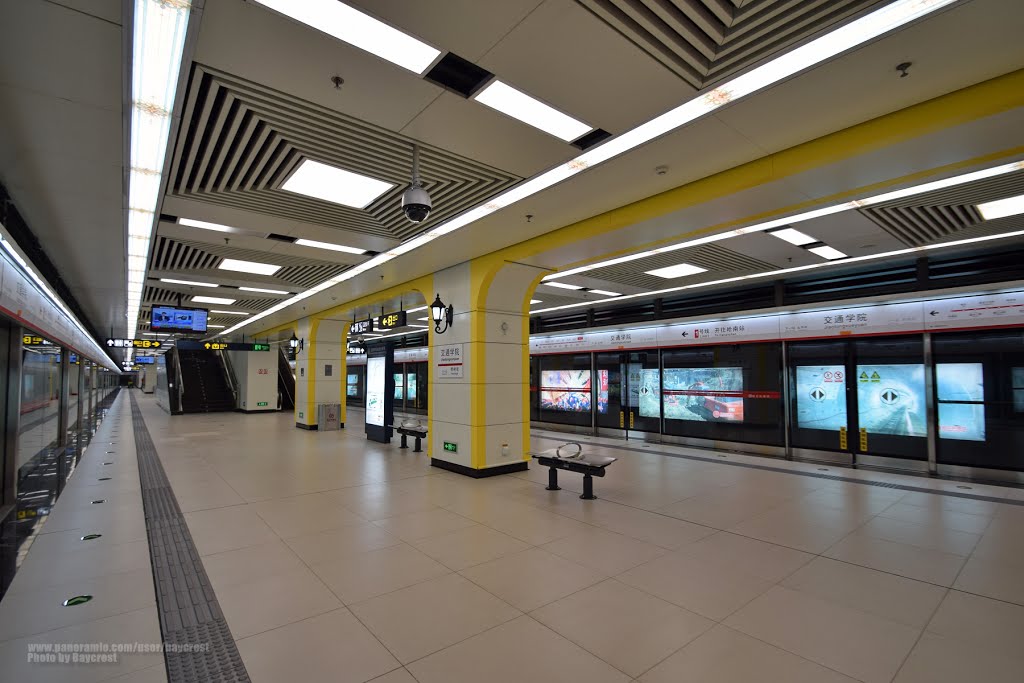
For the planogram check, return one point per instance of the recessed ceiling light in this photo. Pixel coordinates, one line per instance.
(1001, 208)
(414, 310)
(334, 185)
(186, 282)
(327, 245)
(793, 236)
(212, 300)
(248, 266)
(229, 312)
(678, 270)
(423, 318)
(204, 225)
(219, 327)
(606, 292)
(562, 285)
(535, 301)
(828, 252)
(519, 105)
(260, 289)
(360, 30)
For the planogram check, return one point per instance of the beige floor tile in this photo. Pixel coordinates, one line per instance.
(607, 552)
(721, 511)
(807, 533)
(992, 578)
(757, 558)
(534, 526)
(723, 655)
(396, 676)
(332, 647)
(366, 575)
(1002, 542)
(938, 516)
(259, 605)
(699, 585)
(153, 674)
(515, 652)
(215, 531)
(995, 625)
(823, 632)
(422, 619)
(303, 515)
(885, 595)
(937, 659)
(379, 501)
(531, 578)
(142, 626)
(252, 563)
(911, 561)
(41, 569)
(414, 526)
(929, 536)
(651, 527)
(952, 503)
(334, 544)
(629, 629)
(470, 546)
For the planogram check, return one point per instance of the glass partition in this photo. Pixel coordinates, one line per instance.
(891, 417)
(628, 387)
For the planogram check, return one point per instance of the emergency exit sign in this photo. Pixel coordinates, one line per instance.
(261, 404)
(451, 446)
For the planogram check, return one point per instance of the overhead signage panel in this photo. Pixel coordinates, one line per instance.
(761, 328)
(133, 344)
(862, 320)
(390, 321)
(361, 327)
(190, 345)
(975, 311)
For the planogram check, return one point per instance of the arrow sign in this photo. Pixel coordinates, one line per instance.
(685, 334)
(818, 395)
(206, 346)
(934, 313)
(890, 396)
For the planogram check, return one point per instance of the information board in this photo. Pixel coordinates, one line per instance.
(186, 319)
(389, 321)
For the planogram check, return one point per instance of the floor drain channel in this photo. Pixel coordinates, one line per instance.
(188, 608)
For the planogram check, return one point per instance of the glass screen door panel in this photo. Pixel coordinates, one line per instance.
(820, 395)
(891, 417)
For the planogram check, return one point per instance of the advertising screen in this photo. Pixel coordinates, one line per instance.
(410, 387)
(821, 397)
(375, 391)
(399, 387)
(704, 394)
(1017, 379)
(352, 387)
(168, 318)
(961, 390)
(649, 393)
(890, 399)
(143, 360)
(602, 391)
(565, 390)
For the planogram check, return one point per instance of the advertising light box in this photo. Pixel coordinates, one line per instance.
(375, 386)
(961, 390)
(704, 394)
(890, 399)
(821, 397)
(565, 390)
(185, 319)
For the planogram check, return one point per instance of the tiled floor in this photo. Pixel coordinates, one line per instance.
(348, 560)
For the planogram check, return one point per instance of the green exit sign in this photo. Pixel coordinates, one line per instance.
(451, 447)
(262, 404)
(261, 347)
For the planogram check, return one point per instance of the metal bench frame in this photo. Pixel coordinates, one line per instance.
(580, 466)
(418, 434)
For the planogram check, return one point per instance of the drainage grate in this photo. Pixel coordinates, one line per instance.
(189, 612)
(814, 475)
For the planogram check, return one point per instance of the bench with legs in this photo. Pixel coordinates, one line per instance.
(563, 458)
(415, 430)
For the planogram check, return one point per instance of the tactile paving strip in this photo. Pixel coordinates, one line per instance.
(768, 468)
(198, 643)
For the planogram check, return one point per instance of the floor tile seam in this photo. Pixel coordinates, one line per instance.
(290, 623)
(79, 577)
(908, 543)
(920, 635)
(119, 613)
(1011, 603)
(782, 470)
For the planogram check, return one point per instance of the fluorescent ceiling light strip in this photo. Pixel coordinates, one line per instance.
(205, 225)
(335, 185)
(604, 292)
(1011, 206)
(856, 33)
(793, 236)
(248, 266)
(563, 285)
(212, 300)
(327, 245)
(229, 312)
(260, 289)
(360, 30)
(825, 251)
(186, 282)
(676, 271)
(517, 104)
(795, 269)
(533, 302)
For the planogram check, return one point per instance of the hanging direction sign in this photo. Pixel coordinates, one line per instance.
(133, 344)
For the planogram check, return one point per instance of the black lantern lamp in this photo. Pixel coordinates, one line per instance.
(440, 313)
(295, 343)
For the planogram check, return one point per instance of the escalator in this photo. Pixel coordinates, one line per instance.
(204, 383)
(285, 381)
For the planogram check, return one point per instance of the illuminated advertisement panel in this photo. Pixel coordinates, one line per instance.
(704, 394)
(890, 399)
(565, 390)
(375, 391)
(410, 386)
(961, 390)
(649, 391)
(821, 397)
(353, 385)
(602, 391)
(399, 389)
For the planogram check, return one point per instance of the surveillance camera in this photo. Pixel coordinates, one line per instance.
(416, 204)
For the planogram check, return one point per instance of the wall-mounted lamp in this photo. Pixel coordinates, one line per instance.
(295, 343)
(440, 313)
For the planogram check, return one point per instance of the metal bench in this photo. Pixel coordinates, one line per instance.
(418, 432)
(589, 466)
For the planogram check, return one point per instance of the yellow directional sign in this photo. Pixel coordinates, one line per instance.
(133, 344)
(33, 340)
(215, 346)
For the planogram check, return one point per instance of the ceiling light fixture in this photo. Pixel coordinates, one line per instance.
(604, 292)
(793, 236)
(335, 185)
(517, 104)
(562, 285)
(248, 266)
(190, 283)
(825, 251)
(212, 300)
(205, 225)
(846, 37)
(328, 245)
(360, 30)
(219, 327)
(1001, 208)
(678, 270)
(533, 302)
(229, 312)
(260, 289)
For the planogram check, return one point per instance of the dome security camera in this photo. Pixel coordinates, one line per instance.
(416, 202)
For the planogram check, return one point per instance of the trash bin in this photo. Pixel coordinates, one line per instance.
(329, 417)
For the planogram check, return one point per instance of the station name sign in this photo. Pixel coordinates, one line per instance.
(389, 321)
(361, 326)
(133, 344)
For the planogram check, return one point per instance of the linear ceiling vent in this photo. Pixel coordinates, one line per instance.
(459, 75)
(592, 138)
(281, 238)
